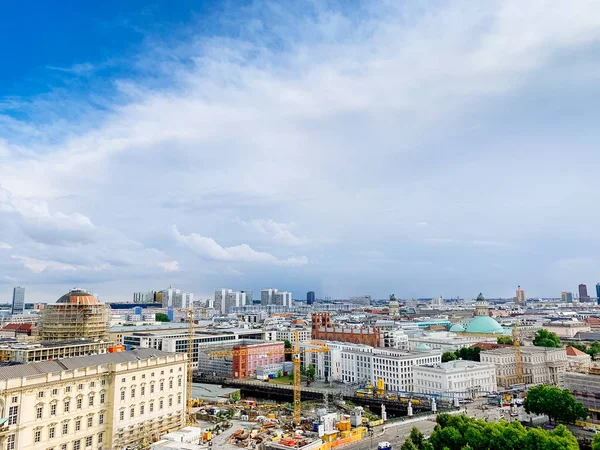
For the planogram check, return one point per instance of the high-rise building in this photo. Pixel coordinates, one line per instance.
(18, 302)
(598, 293)
(266, 296)
(249, 299)
(583, 293)
(566, 297)
(310, 297)
(233, 300)
(282, 298)
(364, 300)
(521, 298)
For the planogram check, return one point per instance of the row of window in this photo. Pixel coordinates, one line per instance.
(67, 405)
(162, 372)
(133, 389)
(11, 442)
(142, 407)
(68, 389)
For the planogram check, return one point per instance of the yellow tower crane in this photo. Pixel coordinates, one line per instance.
(190, 354)
(295, 352)
(518, 361)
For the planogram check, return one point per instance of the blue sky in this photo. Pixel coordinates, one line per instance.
(343, 147)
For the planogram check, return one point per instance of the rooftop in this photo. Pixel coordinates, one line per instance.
(525, 349)
(59, 365)
(458, 364)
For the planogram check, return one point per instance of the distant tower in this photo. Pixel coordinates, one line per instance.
(18, 302)
(481, 306)
(310, 297)
(598, 293)
(583, 293)
(521, 298)
(393, 306)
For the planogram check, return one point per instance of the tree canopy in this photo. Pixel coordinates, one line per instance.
(161, 317)
(505, 340)
(448, 356)
(596, 442)
(556, 403)
(459, 432)
(545, 338)
(592, 349)
(470, 353)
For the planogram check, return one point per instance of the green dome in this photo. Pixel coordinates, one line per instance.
(422, 347)
(457, 328)
(484, 324)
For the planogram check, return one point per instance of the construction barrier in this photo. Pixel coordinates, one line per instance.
(355, 435)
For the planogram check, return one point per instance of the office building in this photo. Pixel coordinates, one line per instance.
(598, 293)
(521, 298)
(283, 299)
(583, 293)
(249, 299)
(18, 301)
(100, 402)
(462, 378)
(566, 297)
(144, 297)
(310, 297)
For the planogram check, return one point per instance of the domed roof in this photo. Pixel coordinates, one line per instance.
(483, 324)
(78, 297)
(457, 328)
(422, 347)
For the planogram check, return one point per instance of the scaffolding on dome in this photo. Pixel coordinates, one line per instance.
(62, 321)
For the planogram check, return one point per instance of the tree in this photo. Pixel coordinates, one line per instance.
(596, 442)
(279, 374)
(288, 346)
(469, 353)
(311, 372)
(448, 356)
(459, 432)
(161, 317)
(416, 437)
(556, 403)
(545, 338)
(409, 445)
(594, 349)
(505, 340)
(236, 397)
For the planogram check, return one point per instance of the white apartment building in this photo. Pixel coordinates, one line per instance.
(266, 296)
(110, 401)
(395, 338)
(540, 365)
(226, 300)
(456, 378)
(304, 334)
(283, 299)
(355, 363)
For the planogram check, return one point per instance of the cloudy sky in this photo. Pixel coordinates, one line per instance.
(351, 147)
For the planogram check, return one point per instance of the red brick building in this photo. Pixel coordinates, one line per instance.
(246, 358)
(322, 328)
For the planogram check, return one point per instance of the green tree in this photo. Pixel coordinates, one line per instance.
(279, 374)
(448, 356)
(596, 442)
(409, 445)
(288, 346)
(594, 349)
(416, 437)
(459, 432)
(505, 340)
(469, 353)
(545, 338)
(311, 372)
(161, 317)
(557, 404)
(236, 397)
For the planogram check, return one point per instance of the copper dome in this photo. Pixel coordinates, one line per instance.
(78, 297)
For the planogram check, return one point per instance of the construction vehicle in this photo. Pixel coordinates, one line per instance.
(295, 352)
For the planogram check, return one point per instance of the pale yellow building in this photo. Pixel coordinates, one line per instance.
(101, 402)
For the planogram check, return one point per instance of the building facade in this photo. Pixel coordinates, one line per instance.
(586, 389)
(247, 358)
(310, 297)
(111, 401)
(323, 328)
(456, 378)
(540, 365)
(583, 293)
(521, 298)
(18, 300)
(304, 334)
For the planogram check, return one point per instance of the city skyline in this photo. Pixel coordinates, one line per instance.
(366, 149)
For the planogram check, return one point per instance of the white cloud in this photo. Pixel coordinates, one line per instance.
(210, 249)
(39, 266)
(234, 272)
(279, 232)
(5, 246)
(170, 266)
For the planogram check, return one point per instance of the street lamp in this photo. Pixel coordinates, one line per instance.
(371, 436)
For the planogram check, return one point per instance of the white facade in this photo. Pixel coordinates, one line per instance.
(355, 363)
(108, 401)
(396, 338)
(461, 378)
(445, 341)
(540, 365)
(304, 334)
(282, 298)
(266, 296)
